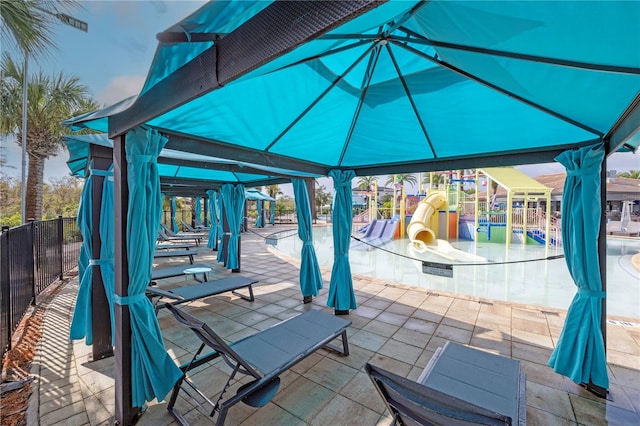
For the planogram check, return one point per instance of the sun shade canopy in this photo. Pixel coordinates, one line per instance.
(182, 173)
(391, 86)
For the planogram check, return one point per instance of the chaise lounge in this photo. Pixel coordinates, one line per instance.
(459, 386)
(263, 357)
(189, 293)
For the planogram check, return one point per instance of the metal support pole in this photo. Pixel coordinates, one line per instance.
(602, 248)
(124, 412)
(61, 246)
(23, 192)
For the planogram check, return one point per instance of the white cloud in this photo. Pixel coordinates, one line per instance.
(121, 87)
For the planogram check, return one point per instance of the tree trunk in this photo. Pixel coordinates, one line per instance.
(35, 180)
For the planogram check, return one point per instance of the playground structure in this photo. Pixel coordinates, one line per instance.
(514, 207)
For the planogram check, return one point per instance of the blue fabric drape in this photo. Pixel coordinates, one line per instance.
(153, 373)
(198, 209)
(107, 249)
(174, 223)
(341, 294)
(272, 212)
(580, 353)
(82, 313)
(213, 213)
(82, 321)
(310, 276)
(259, 220)
(221, 246)
(233, 196)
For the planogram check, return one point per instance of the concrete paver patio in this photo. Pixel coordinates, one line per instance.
(395, 326)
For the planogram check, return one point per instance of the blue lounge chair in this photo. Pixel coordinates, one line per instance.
(263, 357)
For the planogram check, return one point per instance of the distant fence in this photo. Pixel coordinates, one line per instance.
(32, 257)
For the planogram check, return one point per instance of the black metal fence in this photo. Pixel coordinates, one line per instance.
(32, 257)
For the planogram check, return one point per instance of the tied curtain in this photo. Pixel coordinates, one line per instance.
(214, 214)
(153, 372)
(310, 277)
(259, 220)
(580, 353)
(272, 212)
(233, 200)
(198, 210)
(82, 321)
(221, 210)
(341, 294)
(174, 223)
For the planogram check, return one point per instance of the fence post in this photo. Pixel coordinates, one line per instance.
(5, 291)
(61, 244)
(32, 227)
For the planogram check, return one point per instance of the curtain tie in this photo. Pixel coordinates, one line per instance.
(128, 300)
(100, 262)
(589, 293)
(105, 173)
(142, 158)
(585, 171)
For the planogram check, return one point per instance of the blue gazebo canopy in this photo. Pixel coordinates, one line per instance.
(378, 87)
(393, 86)
(186, 174)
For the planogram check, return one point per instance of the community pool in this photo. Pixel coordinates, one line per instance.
(534, 279)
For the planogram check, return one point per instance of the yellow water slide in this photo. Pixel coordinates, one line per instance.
(422, 236)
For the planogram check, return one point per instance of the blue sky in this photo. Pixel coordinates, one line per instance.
(113, 57)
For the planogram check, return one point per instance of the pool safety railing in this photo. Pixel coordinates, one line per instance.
(32, 257)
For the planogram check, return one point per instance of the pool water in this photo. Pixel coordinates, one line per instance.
(533, 280)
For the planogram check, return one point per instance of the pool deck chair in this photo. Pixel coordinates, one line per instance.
(190, 228)
(263, 357)
(459, 386)
(180, 238)
(174, 271)
(163, 254)
(189, 293)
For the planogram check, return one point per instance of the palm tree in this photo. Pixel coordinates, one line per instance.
(50, 100)
(402, 179)
(365, 182)
(27, 24)
(631, 174)
(437, 179)
(273, 190)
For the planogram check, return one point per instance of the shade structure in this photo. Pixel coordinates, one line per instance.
(185, 174)
(580, 353)
(341, 295)
(397, 83)
(391, 87)
(153, 372)
(214, 214)
(310, 276)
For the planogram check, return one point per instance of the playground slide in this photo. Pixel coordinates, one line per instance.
(379, 232)
(424, 239)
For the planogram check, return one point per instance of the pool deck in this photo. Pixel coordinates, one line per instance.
(395, 326)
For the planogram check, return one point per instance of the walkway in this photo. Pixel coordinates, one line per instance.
(395, 327)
